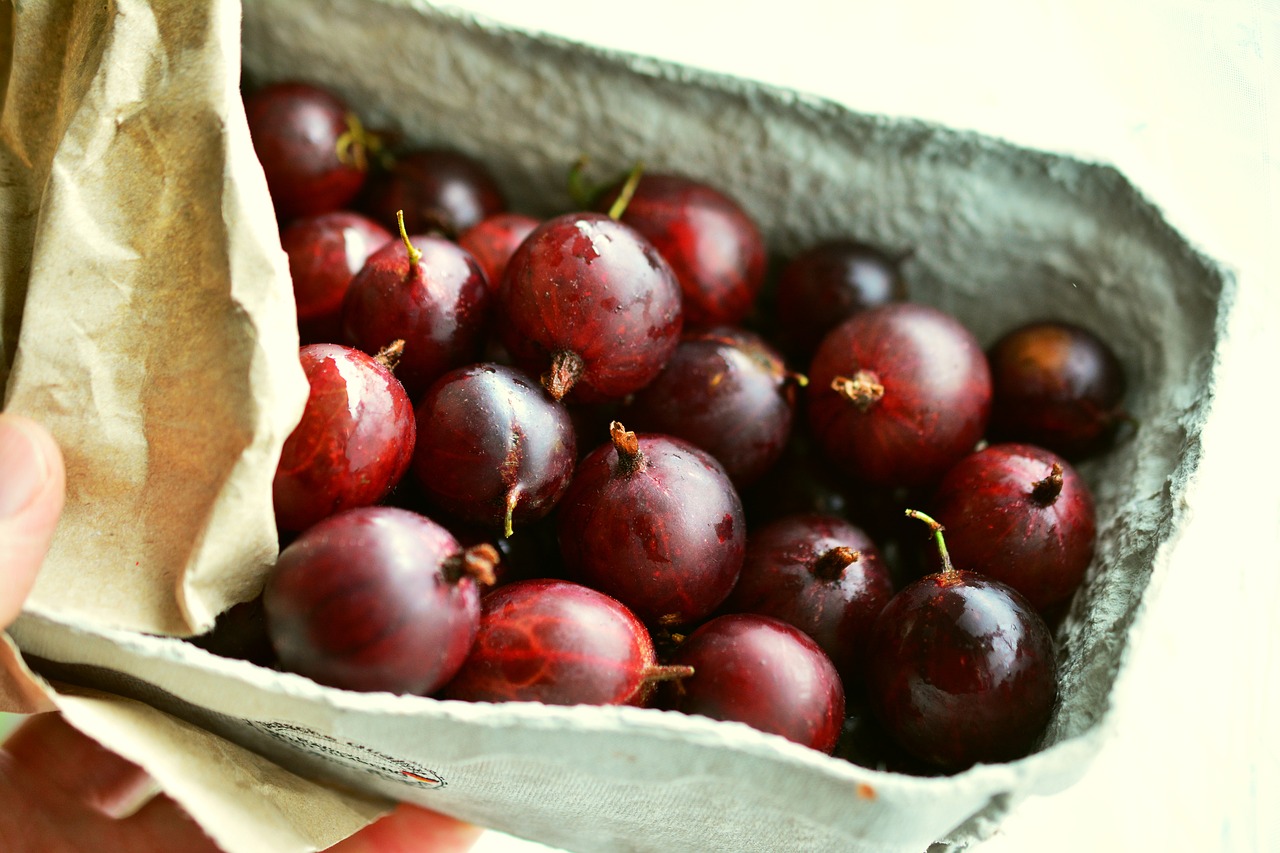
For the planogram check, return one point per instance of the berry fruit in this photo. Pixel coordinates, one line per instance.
(377, 598)
(715, 249)
(654, 522)
(1056, 385)
(589, 305)
(961, 669)
(763, 672)
(427, 292)
(559, 643)
(898, 394)
(312, 148)
(1022, 515)
(492, 447)
(353, 443)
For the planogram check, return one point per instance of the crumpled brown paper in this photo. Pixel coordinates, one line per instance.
(146, 312)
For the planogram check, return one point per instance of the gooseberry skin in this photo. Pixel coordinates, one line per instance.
(829, 282)
(791, 573)
(961, 670)
(363, 601)
(714, 248)
(1056, 385)
(490, 441)
(760, 671)
(665, 536)
(555, 642)
(727, 391)
(440, 307)
(933, 401)
(439, 190)
(586, 285)
(353, 444)
(493, 240)
(297, 129)
(1007, 517)
(325, 252)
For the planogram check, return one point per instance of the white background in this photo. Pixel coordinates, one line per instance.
(1183, 97)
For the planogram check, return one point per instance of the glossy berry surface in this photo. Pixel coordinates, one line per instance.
(493, 240)
(353, 444)
(377, 598)
(439, 190)
(1022, 515)
(438, 303)
(727, 391)
(311, 147)
(829, 282)
(493, 448)
(590, 306)
(715, 249)
(898, 394)
(324, 252)
(961, 670)
(763, 672)
(654, 522)
(559, 643)
(824, 576)
(1056, 385)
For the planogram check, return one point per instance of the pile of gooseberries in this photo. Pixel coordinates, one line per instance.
(605, 458)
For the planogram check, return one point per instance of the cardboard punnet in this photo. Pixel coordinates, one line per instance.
(1000, 234)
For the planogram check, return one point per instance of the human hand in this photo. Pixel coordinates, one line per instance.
(61, 791)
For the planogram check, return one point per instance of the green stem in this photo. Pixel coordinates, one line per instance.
(937, 528)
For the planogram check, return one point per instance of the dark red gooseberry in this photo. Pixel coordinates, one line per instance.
(240, 633)
(898, 394)
(1056, 385)
(324, 252)
(559, 643)
(829, 282)
(439, 190)
(492, 447)
(493, 240)
(715, 249)
(727, 391)
(961, 670)
(354, 441)
(1021, 515)
(377, 598)
(824, 576)
(588, 304)
(427, 292)
(654, 522)
(311, 146)
(763, 672)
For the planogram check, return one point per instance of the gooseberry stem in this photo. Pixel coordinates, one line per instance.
(863, 390)
(566, 368)
(1046, 491)
(830, 565)
(389, 356)
(478, 562)
(628, 190)
(937, 528)
(415, 255)
(627, 445)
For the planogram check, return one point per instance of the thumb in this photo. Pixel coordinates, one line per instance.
(32, 489)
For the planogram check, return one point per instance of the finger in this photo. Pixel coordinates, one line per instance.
(32, 490)
(47, 752)
(409, 829)
(163, 825)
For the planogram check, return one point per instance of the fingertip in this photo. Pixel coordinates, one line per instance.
(409, 829)
(32, 492)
